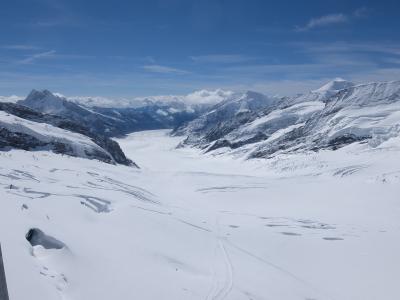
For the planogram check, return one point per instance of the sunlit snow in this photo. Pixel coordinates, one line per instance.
(186, 225)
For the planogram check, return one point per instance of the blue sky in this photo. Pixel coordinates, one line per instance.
(137, 48)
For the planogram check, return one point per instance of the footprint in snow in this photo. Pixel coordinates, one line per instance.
(44, 245)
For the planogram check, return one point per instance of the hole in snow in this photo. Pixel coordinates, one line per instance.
(333, 239)
(290, 233)
(37, 237)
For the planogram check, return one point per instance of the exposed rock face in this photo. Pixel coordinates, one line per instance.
(17, 140)
(22, 140)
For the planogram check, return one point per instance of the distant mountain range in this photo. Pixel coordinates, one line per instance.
(44, 120)
(112, 121)
(249, 124)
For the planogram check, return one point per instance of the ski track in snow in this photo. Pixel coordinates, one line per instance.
(221, 290)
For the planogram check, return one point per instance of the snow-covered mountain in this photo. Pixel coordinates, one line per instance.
(331, 88)
(249, 123)
(24, 128)
(83, 131)
(224, 117)
(20, 133)
(335, 115)
(46, 102)
(125, 117)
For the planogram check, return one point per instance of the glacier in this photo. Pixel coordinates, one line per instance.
(193, 226)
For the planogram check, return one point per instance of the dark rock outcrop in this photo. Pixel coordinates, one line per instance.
(27, 142)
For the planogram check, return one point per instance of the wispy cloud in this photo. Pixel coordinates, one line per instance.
(20, 47)
(333, 19)
(395, 61)
(32, 58)
(53, 23)
(361, 12)
(349, 47)
(12, 98)
(324, 21)
(163, 69)
(220, 58)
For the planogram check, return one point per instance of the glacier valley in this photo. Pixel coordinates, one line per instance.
(194, 225)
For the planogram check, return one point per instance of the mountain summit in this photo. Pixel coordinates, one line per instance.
(44, 101)
(332, 87)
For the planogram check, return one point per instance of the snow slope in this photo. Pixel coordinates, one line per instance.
(48, 136)
(192, 226)
(331, 88)
(224, 117)
(368, 110)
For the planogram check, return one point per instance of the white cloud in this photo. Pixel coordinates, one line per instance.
(163, 69)
(324, 21)
(207, 97)
(12, 98)
(392, 48)
(197, 97)
(364, 55)
(332, 19)
(33, 57)
(361, 12)
(395, 61)
(220, 58)
(194, 98)
(19, 47)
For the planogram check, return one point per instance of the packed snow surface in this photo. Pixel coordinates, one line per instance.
(311, 225)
